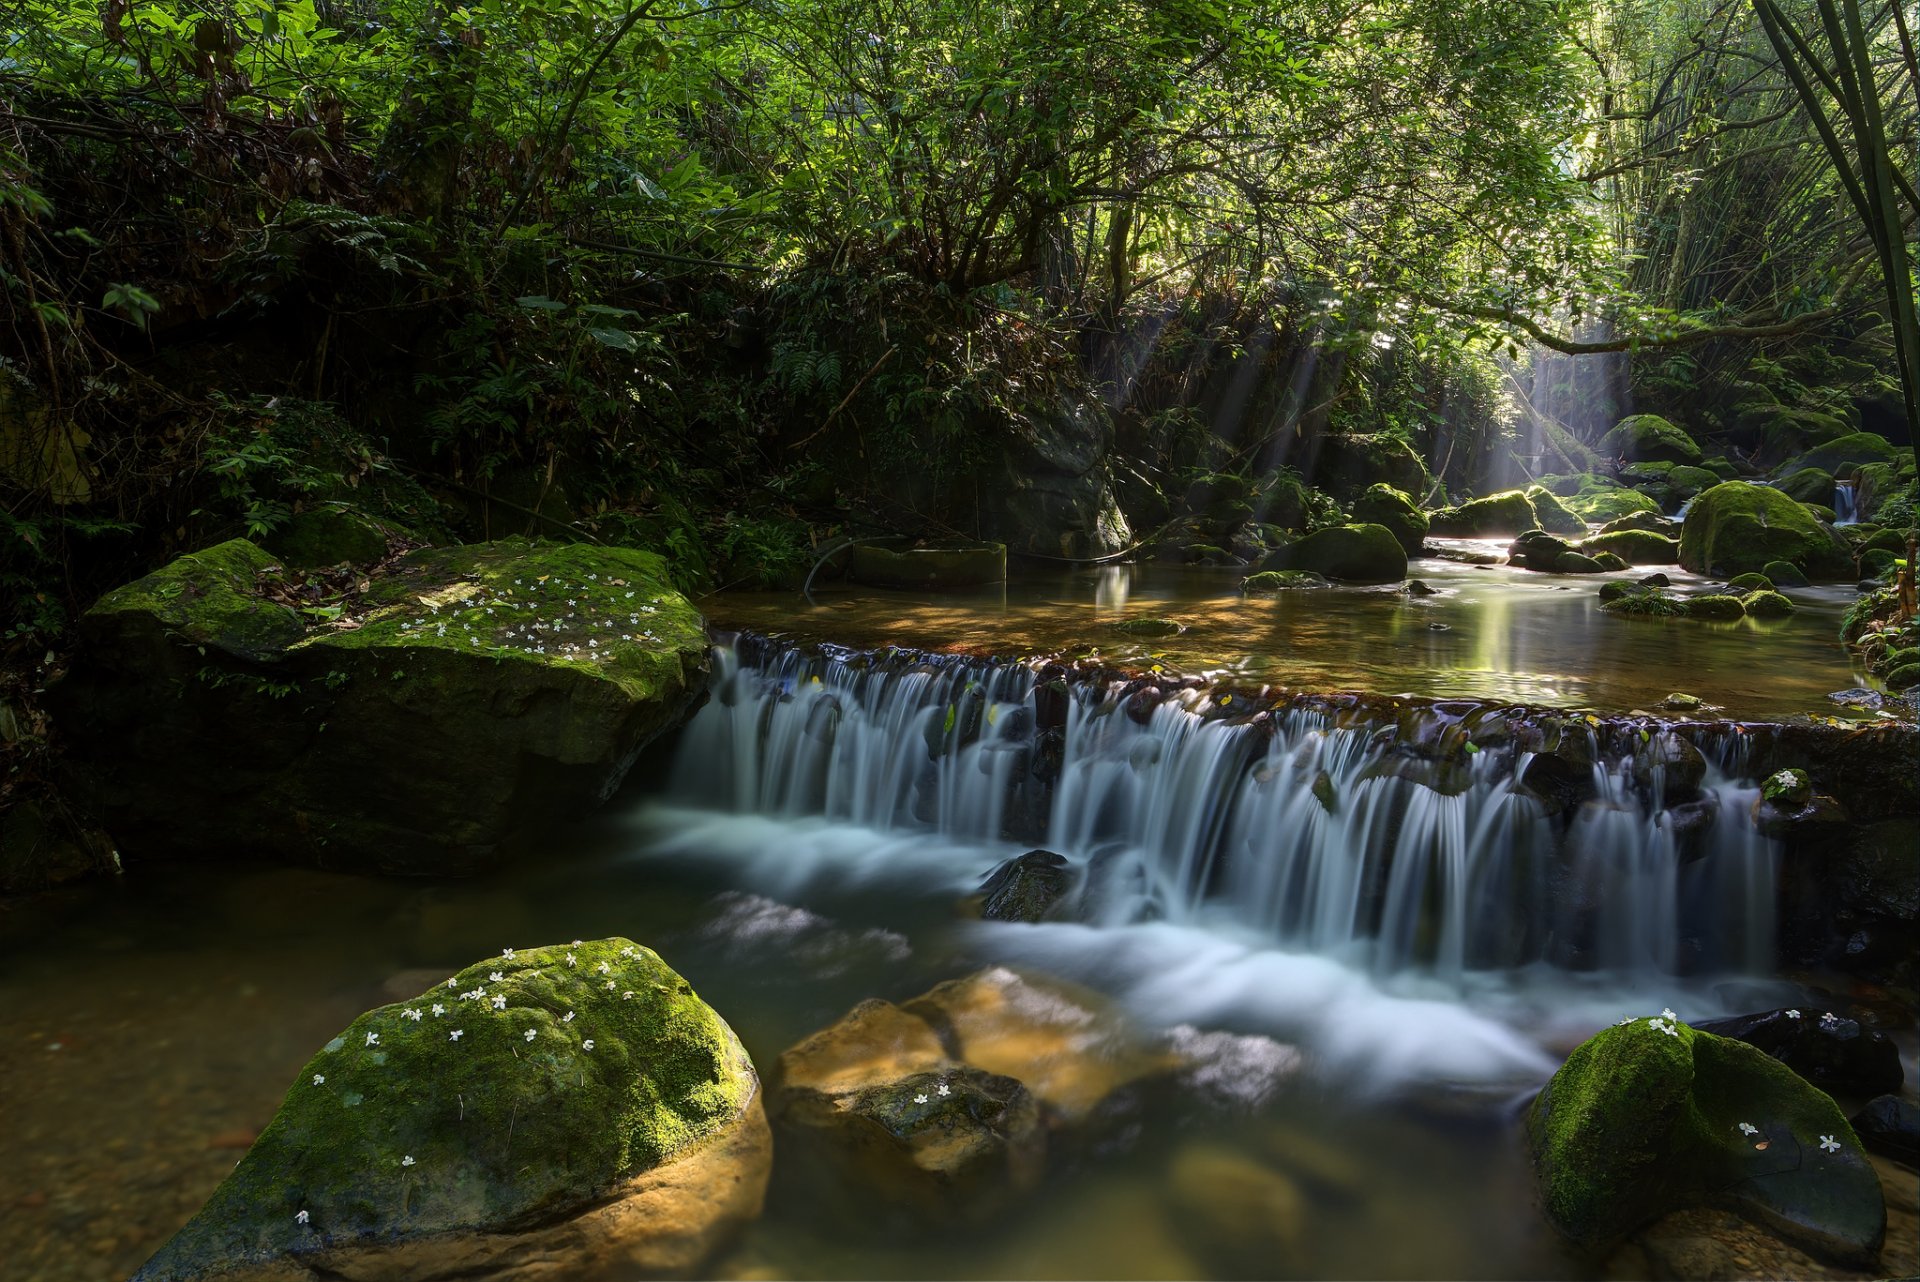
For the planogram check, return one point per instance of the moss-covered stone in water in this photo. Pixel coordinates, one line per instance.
(1282, 581)
(1714, 605)
(1785, 574)
(1688, 481)
(1552, 515)
(1744, 583)
(1766, 604)
(1508, 512)
(1149, 628)
(1641, 437)
(1651, 1116)
(1354, 553)
(1807, 485)
(1635, 547)
(209, 599)
(1845, 453)
(1640, 600)
(1735, 527)
(519, 1091)
(1612, 504)
(1612, 562)
(1789, 789)
(1384, 505)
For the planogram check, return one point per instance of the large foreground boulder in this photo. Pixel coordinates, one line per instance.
(1384, 505)
(1735, 528)
(1649, 438)
(407, 726)
(1354, 553)
(554, 1113)
(1651, 1116)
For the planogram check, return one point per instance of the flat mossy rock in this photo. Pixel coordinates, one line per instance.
(1552, 515)
(1648, 437)
(471, 692)
(1506, 513)
(1353, 553)
(1845, 453)
(1282, 581)
(1651, 1116)
(574, 1111)
(1608, 505)
(1635, 547)
(969, 566)
(1653, 522)
(1384, 505)
(1688, 480)
(1764, 603)
(1714, 605)
(1736, 527)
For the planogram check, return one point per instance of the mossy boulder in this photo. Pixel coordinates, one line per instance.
(1609, 505)
(466, 693)
(1789, 789)
(1362, 553)
(1744, 583)
(1640, 599)
(1736, 527)
(1538, 550)
(1821, 513)
(332, 534)
(1653, 522)
(1384, 505)
(574, 1107)
(1641, 437)
(1635, 547)
(1843, 454)
(1807, 485)
(1688, 480)
(1509, 512)
(1349, 464)
(1552, 515)
(1785, 574)
(1766, 604)
(1612, 562)
(1282, 581)
(1651, 1116)
(1714, 605)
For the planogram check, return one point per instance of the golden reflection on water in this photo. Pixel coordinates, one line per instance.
(1490, 632)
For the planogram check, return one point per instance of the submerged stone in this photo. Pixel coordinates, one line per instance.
(1835, 1054)
(1282, 581)
(1651, 1116)
(563, 1112)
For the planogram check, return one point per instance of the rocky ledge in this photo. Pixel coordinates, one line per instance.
(406, 725)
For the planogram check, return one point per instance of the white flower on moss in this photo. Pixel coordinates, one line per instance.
(1793, 1014)
(627, 996)
(499, 1003)
(413, 1013)
(943, 1089)
(1748, 1128)
(507, 953)
(587, 1045)
(1668, 1014)
(407, 1160)
(1623, 1021)
(530, 1034)
(920, 1099)
(319, 1079)
(497, 977)
(568, 1019)
(578, 942)
(604, 968)
(571, 960)
(456, 1034)
(1829, 1143)
(439, 1010)
(301, 1218)
(1671, 1031)
(1656, 1023)
(1829, 1019)
(611, 985)
(373, 1039)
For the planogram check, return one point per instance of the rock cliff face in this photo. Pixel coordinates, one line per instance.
(464, 693)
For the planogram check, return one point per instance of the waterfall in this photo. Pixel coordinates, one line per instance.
(1436, 840)
(1844, 510)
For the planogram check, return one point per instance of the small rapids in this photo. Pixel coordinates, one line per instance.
(1405, 897)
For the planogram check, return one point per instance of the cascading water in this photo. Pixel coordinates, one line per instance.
(1845, 508)
(1347, 838)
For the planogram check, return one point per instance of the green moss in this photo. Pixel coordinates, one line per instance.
(1878, 563)
(1845, 453)
(1508, 512)
(331, 534)
(1789, 789)
(1744, 583)
(1807, 485)
(1281, 580)
(1821, 512)
(1612, 505)
(1635, 547)
(1552, 515)
(1691, 480)
(502, 1129)
(1148, 628)
(1785, 574)
(1649, 437)
(1766, 604)
(1394, 509)
(1639, 600)
(209, 599)
(1714, 605)
(1611, 561)
(1736, 527)
(1904, 677)
(1355, 553)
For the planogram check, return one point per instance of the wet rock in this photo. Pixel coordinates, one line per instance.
(1669, 765)
(1352, 553)
(1766, 605)
(1785, 574)
(1148, 629)
(1837, 1055)
(1282, 581)
(1857, 697)
(1819, 821)
(1736, 527)
(625, 1135)
(412, 743)
(1713, 605)
(1395, 509)
(1651, 1116)
(1635, 547)
(1879, 875)
(1507, 512)
(1239, 1213)
(1890, 1125)
(1648, 437)
(1419, 587)
(1026, 888)
(1789, 789)
(1656, 580)
(1681, 702)
(1694, 817)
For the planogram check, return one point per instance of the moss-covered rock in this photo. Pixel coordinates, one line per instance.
(1026, 888)
(1348, 464)
(1735, 527)
(1821, 512)
(1635, 547)
(1688, 481)
(1384, 505)
(1766, 604)
(1612, 562)
(1641, 437)
(1843, 454)
(1652, 522)
(1353, 553)
(1903, 677)
(1651, 1116)
(1552, 515)
(1785, 574)
(1714, 605)
(1148, 628)
(333, 534)
(1754, 582)
(575, 1106)
(468, 692)
(1807, 485)
(1789, 789)
(1508, 512)
(1282, 581)
(1640, 599)
(1609, 505)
